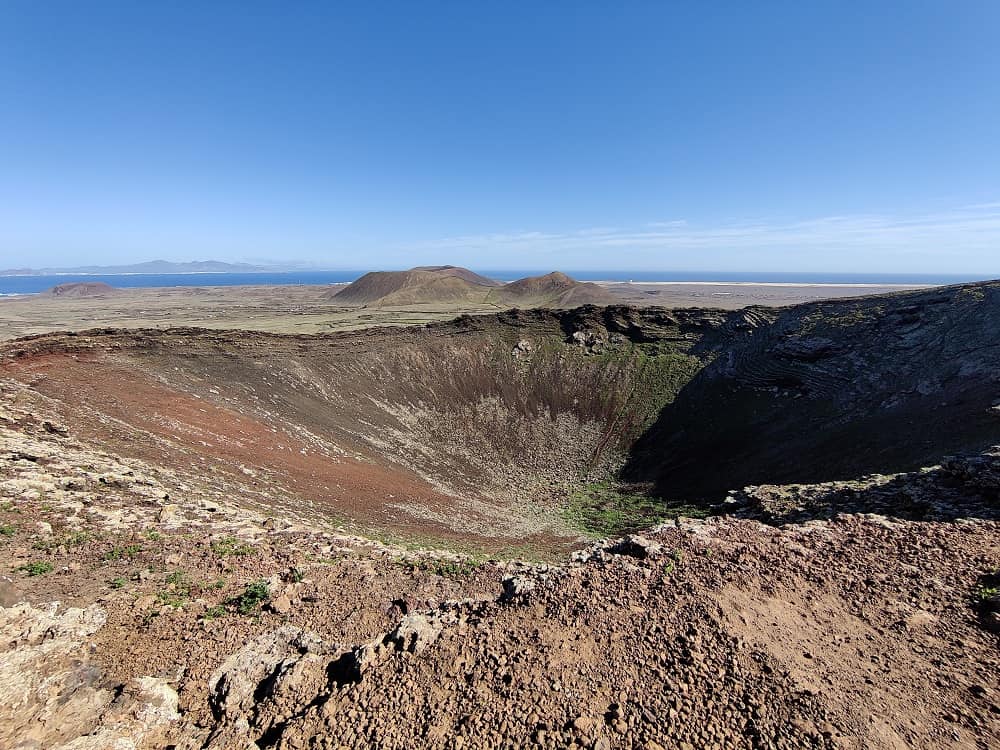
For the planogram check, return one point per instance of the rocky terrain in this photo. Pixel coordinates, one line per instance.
(420, 537)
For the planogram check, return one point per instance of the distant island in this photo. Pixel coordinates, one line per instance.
(152, 266)
(78, 289)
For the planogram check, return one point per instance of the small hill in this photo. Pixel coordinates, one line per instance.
(78, 289)
(439, 289)
(459, 272)
(412, 287)
(453, 284)
(554, 290)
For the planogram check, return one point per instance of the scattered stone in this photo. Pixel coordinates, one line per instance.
(583, 724)
(281, 604)
(515, 587)
(523, 349)
(636, 546)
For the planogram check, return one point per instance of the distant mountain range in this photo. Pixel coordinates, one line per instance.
(152, 266)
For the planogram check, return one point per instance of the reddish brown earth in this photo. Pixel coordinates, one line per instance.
(169, 427)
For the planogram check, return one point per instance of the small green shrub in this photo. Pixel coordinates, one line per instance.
(987, 592)
(117, 583)
(256, 595)
(7, 529)
(230, 546)
(77, 538)
(35, 568)
(443, 568)
(70, 540)
(123, 553)
(213, 613)
(178, 589)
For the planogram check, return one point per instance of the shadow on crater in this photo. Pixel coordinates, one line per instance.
(833, 390)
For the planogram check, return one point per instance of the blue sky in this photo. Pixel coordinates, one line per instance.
(819, 136)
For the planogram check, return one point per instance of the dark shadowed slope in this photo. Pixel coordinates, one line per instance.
(833, 390)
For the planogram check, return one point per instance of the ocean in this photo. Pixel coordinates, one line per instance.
(17, 285)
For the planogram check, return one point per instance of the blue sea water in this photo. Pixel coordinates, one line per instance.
(34, 284)
(12, 285)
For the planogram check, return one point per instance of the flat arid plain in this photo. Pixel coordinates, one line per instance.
(745, 516)
(310, 309)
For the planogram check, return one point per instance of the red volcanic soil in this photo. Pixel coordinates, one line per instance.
(122, 408)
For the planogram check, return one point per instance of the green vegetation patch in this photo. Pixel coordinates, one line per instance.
(230, 546)
(70, 540)
(971, 294)
(37, 568)
(983, 593)
(7, 529)
(124, 552)
(177, 591)
(443, 568)
(252, 599)
(214, 613)
(987, 587)
(859, 314)
(602, 509)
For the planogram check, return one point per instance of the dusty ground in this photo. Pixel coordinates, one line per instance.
(734, 295)
(858, 631)
(305, 309)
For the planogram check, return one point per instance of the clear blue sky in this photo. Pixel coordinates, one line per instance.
(830, 136)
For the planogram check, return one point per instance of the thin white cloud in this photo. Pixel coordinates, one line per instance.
(863, 241)
(664, 224)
